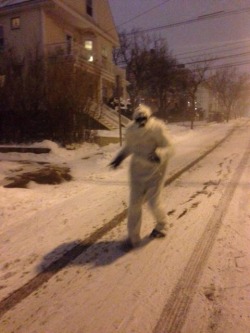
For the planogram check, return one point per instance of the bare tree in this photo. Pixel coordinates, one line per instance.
(161, 78)
(193, 77)
(69, 93)
(230, 87)
(150, 68)
(21, 96)
(155, 74)
(45, 99)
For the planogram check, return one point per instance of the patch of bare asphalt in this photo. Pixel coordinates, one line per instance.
(48, 174)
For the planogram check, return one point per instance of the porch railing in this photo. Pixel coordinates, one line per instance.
(80, 55)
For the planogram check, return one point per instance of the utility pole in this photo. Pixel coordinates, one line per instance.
(118, 93)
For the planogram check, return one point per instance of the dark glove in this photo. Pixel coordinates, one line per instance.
(116, 162)
(153, 157)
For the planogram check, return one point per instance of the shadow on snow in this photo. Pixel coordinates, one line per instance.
(80, 253)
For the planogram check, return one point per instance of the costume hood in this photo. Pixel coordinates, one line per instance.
(142, 111)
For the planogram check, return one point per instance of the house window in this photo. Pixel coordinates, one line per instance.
(89, 7)
(88, 45)
(1, 38)
(15, 23)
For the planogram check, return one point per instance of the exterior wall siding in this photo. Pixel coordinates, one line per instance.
(28, 36)
(46, 27)
(105, 19)
(102, 15)
(78, 5)
(53, 31)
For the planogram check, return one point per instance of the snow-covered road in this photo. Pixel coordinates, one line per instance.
(151, 289)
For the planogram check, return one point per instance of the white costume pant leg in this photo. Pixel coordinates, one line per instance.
(154, 201)
(135, 212)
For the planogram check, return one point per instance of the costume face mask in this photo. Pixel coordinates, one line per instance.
(141, 120)
(141, 115)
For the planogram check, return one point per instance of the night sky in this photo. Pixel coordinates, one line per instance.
(224, 33)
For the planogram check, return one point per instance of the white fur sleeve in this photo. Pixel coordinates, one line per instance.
(164, 145)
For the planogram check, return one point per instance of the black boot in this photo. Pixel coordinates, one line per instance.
(157, 234)
(126, 245)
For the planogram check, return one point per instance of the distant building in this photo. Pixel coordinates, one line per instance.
(207, 102)
(82, 31)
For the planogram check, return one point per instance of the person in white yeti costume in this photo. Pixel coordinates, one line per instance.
(148, 141)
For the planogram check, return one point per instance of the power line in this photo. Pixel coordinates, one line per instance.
(208, 16)
(216, 58)
(224, 65)
(206, 55)
(141, 14)
(224, 57)
(215, 48)
(219, 58)
(219, 66)
(235, 64)
(193, 20)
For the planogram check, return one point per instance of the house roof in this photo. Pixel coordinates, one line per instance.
(6, 3)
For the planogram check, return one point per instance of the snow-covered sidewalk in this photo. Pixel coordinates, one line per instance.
(38, 220)
(106, 290)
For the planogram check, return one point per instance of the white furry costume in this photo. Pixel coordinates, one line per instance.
(151, 149)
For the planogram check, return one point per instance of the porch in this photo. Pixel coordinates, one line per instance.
(85, 59)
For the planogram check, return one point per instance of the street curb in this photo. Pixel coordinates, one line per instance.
(34, 150)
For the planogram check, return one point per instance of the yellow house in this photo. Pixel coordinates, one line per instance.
(82, 30)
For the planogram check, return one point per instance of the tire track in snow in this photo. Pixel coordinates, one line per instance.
(176, 309)
(18, 295)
